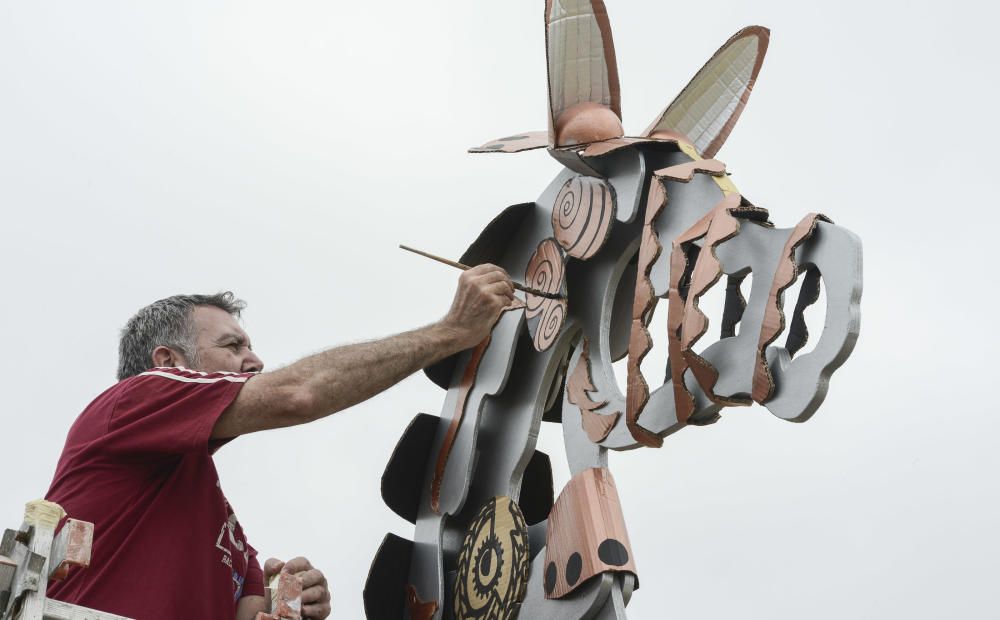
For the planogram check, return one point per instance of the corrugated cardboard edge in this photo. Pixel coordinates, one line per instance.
(773, 322)
(764, 36)
(578, 386)
(600, 13)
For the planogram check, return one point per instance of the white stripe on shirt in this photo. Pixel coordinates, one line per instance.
(169, 375)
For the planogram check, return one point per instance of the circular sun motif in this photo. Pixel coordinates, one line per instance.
(493, 563)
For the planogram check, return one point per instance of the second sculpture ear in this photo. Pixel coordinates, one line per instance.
(707, 109)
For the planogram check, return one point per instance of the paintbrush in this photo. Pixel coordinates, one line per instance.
(520, 287)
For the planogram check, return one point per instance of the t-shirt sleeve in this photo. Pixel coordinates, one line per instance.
(167, 411)
(253, 583)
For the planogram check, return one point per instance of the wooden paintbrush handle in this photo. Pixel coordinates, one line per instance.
(451, 263)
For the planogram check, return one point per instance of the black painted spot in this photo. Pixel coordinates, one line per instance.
(509, 138)
(573, 568)
(493, 147)
(612, 552)
(551, 573)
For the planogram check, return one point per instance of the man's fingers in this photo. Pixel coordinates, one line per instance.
(315, 594)
(318, 611)
(484, 268)
(496, 275)
(316, 602)
(312, 577)
(501, 289)
(297, 565)
(272, 567)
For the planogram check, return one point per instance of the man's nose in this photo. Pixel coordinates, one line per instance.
(252, 363)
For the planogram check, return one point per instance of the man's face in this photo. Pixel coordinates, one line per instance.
(221, 343)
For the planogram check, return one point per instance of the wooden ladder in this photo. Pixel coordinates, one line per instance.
(33, 554)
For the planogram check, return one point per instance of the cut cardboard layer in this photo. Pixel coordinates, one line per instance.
(385, 588)
(468, 380)
(578, 385)
(640, 341)
(493, 563)
(587, 534)
(709, 106)
(686, 322)
(707, 271)
(516, 143)
(582, 215)
(537, 492)
(545, 272)
(404, 473)
(683, 173)
(581, 59)
(774, 316)
(419, 609)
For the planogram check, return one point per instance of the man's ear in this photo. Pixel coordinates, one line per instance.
(165, 357)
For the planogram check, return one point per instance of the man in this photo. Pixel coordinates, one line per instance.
(138, 460)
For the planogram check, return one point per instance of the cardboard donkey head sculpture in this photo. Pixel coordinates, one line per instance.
(630, 226)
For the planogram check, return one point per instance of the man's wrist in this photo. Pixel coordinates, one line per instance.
(450, 338)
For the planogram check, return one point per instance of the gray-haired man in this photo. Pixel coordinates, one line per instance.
(137, 461)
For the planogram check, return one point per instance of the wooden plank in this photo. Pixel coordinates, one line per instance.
(58, 610)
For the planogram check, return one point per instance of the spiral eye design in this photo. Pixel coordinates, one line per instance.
(546, 272)
(582, 215)
(553, 316)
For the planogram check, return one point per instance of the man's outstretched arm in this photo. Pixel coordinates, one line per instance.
(322, 384)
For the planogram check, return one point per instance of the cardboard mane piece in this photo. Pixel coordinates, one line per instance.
(631, 224)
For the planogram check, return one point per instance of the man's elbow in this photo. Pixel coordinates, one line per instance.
(298, 405)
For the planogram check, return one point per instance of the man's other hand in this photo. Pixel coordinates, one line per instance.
(483, 292)
(315, 593)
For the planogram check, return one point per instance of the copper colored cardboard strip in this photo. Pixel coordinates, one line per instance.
(468, 380)
(685, 322)
(516, 143)
(707, 270)
(640, 342)
(419, 610)
(604, 147)
(684, 403)
(578, 386)
(582, 215)
(586, 534)
(774, 316)
(683, 173)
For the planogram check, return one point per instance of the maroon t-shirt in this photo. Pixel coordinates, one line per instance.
(138, 464)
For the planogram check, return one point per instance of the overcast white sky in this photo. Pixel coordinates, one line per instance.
(283, 149)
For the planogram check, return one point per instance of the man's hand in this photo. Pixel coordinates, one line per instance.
(315, 594)
(483, 292)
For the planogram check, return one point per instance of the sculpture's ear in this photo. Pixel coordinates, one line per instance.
(584, 98)
(707, 109)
